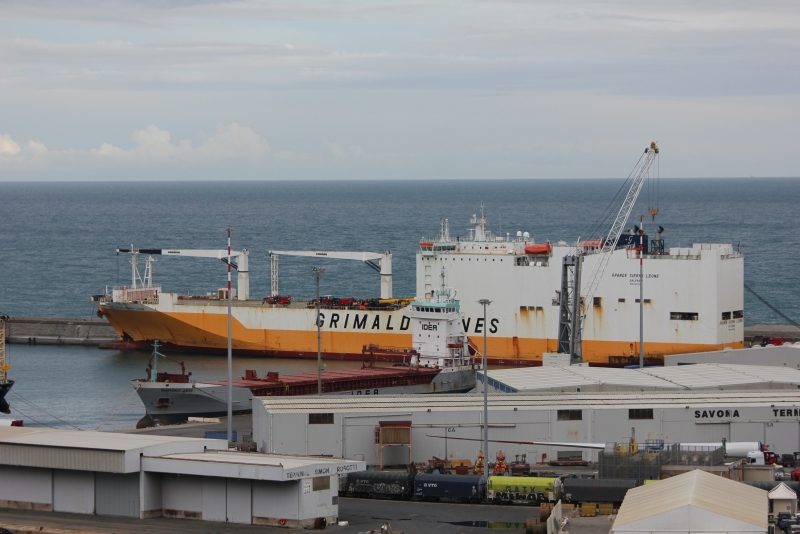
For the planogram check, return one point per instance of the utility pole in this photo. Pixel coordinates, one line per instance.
(318, 273)
(485, 303)
(230, 348)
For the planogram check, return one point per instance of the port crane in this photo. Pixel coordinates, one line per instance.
(573, 306)
(146, 281)
(384, 265)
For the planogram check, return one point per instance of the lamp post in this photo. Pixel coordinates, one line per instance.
(485, 303)
(318, 273)
(230, 348)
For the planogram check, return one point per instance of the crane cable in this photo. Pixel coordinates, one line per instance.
(23, 399)
(770, 306)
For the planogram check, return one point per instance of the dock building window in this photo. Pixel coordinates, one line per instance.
(320, 483)
(570, 415)
(640, 413)
(320, 419)
(683, 316)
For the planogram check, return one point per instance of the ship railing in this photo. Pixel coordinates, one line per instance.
(148, 295)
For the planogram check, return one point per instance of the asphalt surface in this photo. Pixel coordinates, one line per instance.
(362, 514)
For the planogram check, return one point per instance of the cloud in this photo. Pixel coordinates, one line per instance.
(354, 152)
(151, 146)
(8, 147)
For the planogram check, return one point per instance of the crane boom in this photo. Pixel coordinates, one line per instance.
(610, 244)
(384, 266)
(241, 265)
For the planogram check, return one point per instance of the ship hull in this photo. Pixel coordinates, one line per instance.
(4, 389)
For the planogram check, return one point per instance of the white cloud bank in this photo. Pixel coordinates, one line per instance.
(151, 146)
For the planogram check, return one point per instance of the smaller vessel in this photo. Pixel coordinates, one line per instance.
(442, 360)
(5, 383)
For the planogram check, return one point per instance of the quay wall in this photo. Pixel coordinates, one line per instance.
(59, 331)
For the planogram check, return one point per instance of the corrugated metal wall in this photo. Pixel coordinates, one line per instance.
(276, 499)
(239, 501)
(26, 485)
(73, 491)
(215, 499)
(181, 494)
(63, 458)
(117, 494)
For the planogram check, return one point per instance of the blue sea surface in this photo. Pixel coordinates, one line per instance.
(58, 242)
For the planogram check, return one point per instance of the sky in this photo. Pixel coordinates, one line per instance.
(369, 90)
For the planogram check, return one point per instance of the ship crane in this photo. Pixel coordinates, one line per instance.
(571, 319)
(384, 265)
(241, 265)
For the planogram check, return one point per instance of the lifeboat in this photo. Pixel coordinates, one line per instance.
(544, 248)
(597, 243)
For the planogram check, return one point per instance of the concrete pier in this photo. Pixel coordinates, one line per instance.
(56, 331)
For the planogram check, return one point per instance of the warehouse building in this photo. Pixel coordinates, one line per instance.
(684, 377)
(141, 476)
(695, 502)
(349, 426)
(787, 355)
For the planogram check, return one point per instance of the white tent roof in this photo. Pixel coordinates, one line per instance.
(782, 491)
(694, 502)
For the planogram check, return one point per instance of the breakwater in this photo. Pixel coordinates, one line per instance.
(59, 331)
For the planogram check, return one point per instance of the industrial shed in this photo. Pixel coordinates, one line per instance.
(141, 476)
(346, 426)
(694, 502)
(684, 377)
(787, 355)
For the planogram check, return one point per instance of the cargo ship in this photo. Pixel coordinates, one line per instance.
(693, 300)
(442, 360)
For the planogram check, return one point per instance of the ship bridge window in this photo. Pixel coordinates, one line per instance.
(738, 314)
(620, 300)
(726, 316)
(320, 419)
(597, 301)
(646, 301)
(683, 316)
(640, 413)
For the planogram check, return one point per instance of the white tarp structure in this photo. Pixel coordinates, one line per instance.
(782, 498)
(694, 502)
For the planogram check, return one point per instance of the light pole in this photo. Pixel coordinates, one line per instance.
(485, 303)
(318, 273)
(230, 348)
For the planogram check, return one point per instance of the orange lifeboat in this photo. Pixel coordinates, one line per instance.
(544, 248)
(597, 243)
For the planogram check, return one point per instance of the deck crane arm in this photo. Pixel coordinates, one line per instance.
(241, 265)
(610, 244)
(384, 265)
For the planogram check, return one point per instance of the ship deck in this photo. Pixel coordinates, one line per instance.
(335, 381)
(185, 300)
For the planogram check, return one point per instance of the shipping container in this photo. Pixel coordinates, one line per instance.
(596, 490)
(380, 483)
(449, 486)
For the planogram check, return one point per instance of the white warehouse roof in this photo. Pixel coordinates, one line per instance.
(250, 466)
(396, 404)
(693, 502)
(91, 451)
(684, 377)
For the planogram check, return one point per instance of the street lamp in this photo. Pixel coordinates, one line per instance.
(485, 303)
(318, 273)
